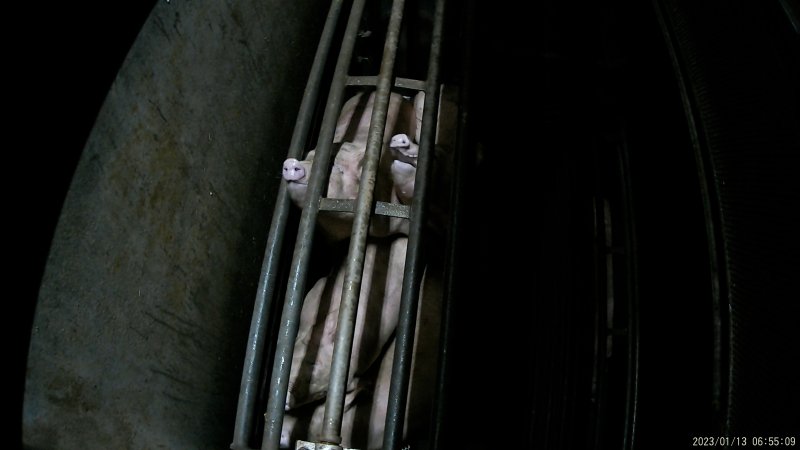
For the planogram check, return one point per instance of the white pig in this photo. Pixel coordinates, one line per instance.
(369, 375)
(350, 141)
(379, 300)
(373, 352)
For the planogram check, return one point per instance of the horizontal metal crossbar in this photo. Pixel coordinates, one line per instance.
(406, 83)
(349, 205)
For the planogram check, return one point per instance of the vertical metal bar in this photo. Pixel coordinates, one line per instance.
(632, 310)
(401, 368)
(343, 343)
(254, 357)
(452, 267)
(290, 319)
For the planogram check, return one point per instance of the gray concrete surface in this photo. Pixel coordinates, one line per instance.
(142, 316)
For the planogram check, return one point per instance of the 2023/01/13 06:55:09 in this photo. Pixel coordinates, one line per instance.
(744, 441)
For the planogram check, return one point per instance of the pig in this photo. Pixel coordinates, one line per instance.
(350, 141)
(296, 173)
(379, 301)
(404, 167)
(403, 149)
(372, 357)
(367, 384)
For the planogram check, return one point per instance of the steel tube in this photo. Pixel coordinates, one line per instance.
(632, 307)
(254, 356)
(290, 319)
(452, 268)
(414, 267)
(343, 342)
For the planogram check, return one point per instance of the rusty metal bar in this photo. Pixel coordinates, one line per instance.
(342, 349)
(349, 205)
(414, 267)
(254, 356)
(290, 319)
(407, 83)
(392, 210)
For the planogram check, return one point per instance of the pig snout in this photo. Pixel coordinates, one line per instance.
(400, 141)
(403, 149)
(296, 174)
(294, 171)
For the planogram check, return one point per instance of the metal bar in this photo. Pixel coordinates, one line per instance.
(408, 83)
(404, 337)
(349, 205)
(343, 341)
(337, 204)
(451, 288)
(393, 210)
(290, 320)
(632, 305)
(254, 356)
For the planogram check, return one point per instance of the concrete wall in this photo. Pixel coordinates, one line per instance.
(144, 308)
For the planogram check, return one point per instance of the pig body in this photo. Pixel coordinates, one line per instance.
(372, 357)
(379, 302)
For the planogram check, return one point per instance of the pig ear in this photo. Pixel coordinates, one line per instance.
(310, 155)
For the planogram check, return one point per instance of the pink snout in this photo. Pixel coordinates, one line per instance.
(400, 141)
(403, 149)
(293, 170)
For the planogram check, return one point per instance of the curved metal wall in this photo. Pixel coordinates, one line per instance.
(739, 66)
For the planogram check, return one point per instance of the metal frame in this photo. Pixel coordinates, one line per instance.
(363, 208)
(256, 343)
